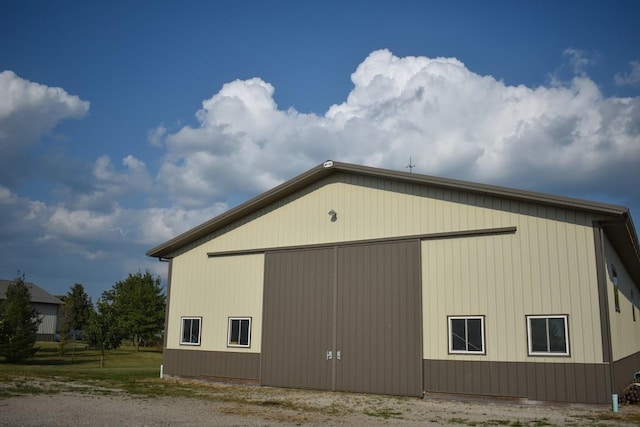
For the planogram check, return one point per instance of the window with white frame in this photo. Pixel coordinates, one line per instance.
(548, 335)
(190, 331)
(466, 334)
(239, 332)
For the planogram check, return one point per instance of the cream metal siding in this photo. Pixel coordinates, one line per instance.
(367, 208)
(49, 317)
(370, 208)
(625, 332)
(216, 289)
(546, 267)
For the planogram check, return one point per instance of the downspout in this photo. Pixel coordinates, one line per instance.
(603, 295)
(166, 314)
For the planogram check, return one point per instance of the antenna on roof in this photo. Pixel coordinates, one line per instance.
(410, 166)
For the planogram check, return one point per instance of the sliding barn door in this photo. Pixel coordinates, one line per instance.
(379, 320)
(297, 326)
(361, 303)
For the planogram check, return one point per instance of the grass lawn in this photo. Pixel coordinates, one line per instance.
(124, 368)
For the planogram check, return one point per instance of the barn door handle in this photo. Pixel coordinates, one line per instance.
(330, 355)
(338, 354)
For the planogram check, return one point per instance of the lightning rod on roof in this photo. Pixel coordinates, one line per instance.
(410, 166)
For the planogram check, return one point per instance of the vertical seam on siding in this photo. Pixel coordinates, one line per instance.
(420, 316)
(334, 316)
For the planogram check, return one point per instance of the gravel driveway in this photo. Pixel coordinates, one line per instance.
(226, 405)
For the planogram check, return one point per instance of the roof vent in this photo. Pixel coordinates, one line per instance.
(328, 164)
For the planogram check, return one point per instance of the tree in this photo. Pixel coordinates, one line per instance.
(104, 330)
(75, 314)
(140, 301)
(19, 323)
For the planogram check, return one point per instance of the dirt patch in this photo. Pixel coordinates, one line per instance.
(59, 403)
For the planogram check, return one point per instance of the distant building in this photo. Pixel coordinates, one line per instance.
(352, 278)
(47, 305)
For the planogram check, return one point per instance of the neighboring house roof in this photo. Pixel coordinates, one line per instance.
(618, 227)
(38, 295)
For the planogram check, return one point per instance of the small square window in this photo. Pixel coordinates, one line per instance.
(190, 331)
(548, 335)
(239, 332)
(466, 334)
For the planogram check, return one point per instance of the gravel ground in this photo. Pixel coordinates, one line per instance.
(226, 405)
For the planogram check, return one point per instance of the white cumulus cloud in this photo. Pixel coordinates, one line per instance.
(241, 133)
(565, 137)
(28, 111)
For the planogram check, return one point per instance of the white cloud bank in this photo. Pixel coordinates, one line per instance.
(565, 138)
(29, 111)
(562, 138)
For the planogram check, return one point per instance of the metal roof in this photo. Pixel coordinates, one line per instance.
(38, 294)
(619, 227)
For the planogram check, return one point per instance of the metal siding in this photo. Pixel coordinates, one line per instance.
(216, 289)
(547, 267)
(339, 171)
(529, 267)
(624, 371)
(49, 316)
(378, 318)
(367, 208)
(559, 382)
(245, 366)
(298, 307)
(506, 277)
(603, 298)
(376, 312)
(625, 333)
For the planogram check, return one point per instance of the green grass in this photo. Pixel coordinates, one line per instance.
(124, 369)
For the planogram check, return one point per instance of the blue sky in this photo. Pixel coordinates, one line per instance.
(123, 124)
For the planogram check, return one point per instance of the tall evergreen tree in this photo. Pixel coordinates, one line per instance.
(75, 314)
(140, 301)
(19, 323)
(77, 308)
(104, 330)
